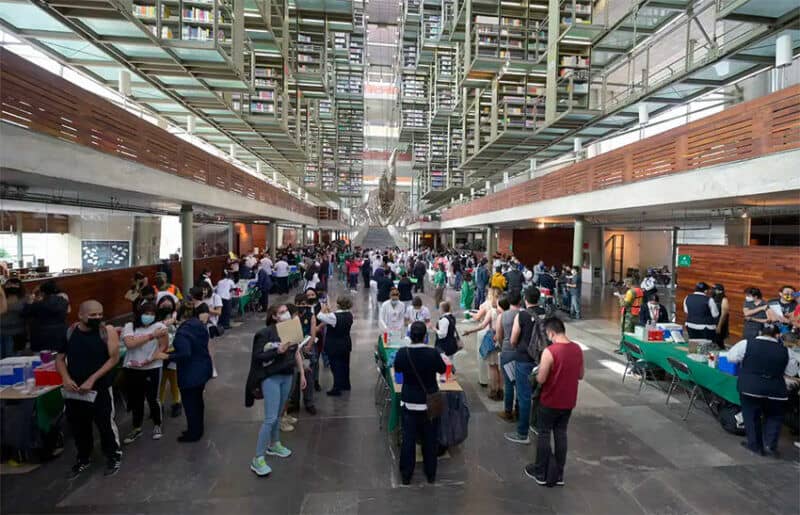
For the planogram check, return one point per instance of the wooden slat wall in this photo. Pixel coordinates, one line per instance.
(35, 99)
(744, 131)
(737, 268)
(109, 286)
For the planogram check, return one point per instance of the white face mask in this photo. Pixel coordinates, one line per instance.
(283, 317)
(749, 299)
(394, 302)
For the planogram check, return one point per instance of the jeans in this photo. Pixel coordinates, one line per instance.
(415, 424)
(225, 316)
(762, 437)
(194, 409)
(7, 342)
(143, 384)
(523, 370)
(575, 303)
(554, 421)
(340, 368)
(81, 415)
(353, 281)
(507, 356)
(276, 390)
(459, 278)
(480, 295)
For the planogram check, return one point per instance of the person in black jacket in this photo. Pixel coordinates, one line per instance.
(419, 365)
(47, 318)
(420, 269)
(654, 307)
(338, 343)
(194, 367)
(272, 367)
(385, 285)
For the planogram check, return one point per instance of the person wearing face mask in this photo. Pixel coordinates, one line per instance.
(272, 367)
(12, 326)
(338, 343)
(146, 341)
(655, 313)
(755, 313)
(165, 313)
(392, 313)
(782, 308)
(194, 367)
(86, 364)
(417, 312)
(723, 320)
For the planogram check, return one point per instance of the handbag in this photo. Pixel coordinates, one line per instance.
(433, 401)
(487, 344)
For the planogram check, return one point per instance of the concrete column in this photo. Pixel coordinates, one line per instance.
(491, 243)
(273, 237)
(20, 247)
(187, 246)
(577, 243)
(232, 238)
(454, 238)
(303, 235)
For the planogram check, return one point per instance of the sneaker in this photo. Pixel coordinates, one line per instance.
(177, 409)
(530, 471)
(290, 419)
(157, 433)
(533, 430)
(279, 450)
(133, 436)
(560, 482)
(797, 444)
(505, 415)
(214, 373)
(260, 467)
(517, 438)
(112, 467)
(286, 427)
(78, 469)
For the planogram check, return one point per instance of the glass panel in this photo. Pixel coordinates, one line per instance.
(141, 51)
(75, 49)
(722, 70)
(192, 54)
(113, 27)
(26, 16)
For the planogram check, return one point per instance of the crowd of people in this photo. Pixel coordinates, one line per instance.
(166, 349)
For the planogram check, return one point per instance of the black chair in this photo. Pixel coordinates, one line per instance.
(637, 363)
(682, 378)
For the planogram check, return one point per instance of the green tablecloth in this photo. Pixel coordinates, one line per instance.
(387, 355)
(711, 379)
(48, 408)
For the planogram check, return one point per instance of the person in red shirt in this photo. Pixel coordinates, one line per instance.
(353, 269)
(559, 371)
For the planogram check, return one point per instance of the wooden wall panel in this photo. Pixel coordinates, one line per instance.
(109, 286)
(505, 241)
(553, 245)
(737, 268)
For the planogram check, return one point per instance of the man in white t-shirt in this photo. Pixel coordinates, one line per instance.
(266, 264)
(282, 275)
(224, 287)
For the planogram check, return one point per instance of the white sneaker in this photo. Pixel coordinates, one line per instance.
(157, 433)
(286, 427)
(214, 374)
(290, 419)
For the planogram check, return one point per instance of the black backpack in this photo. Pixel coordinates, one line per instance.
(538, 342)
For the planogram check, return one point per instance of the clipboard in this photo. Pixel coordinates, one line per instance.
(290, 331)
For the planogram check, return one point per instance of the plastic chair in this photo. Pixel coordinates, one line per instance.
(637, 363)
(682, 378)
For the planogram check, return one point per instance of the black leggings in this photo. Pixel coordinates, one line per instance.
(141, 385)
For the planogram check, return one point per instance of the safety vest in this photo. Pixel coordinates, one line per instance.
(636, 307)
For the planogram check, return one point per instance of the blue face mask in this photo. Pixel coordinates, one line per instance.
(148, 319)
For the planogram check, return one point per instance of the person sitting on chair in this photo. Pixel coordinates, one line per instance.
(655, 312)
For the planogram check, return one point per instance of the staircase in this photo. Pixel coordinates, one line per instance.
(377, 238)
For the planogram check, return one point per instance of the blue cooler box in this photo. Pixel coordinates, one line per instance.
(723, 365)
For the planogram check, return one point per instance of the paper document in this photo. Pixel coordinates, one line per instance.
(509, 370)
(776, 308)
(89, 396)
(290, 331)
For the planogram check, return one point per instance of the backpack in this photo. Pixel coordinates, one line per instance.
(538, 342)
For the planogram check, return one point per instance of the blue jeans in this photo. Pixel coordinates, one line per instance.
(480, 295)
(276, 390)
(459, 278)
(524, 390)
(575, 303)
(507, 356)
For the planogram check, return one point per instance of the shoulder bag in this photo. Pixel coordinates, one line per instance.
(434, 401)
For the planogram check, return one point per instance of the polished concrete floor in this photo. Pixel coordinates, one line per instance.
(629, 453)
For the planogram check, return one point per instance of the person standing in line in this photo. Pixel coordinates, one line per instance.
(503, 330)
(272, 367)
(521, 333)
(723, 320)
(223, 289)
(439, 283)
(12, 325)
(467, 292)
(404, 286)
(85, 364)
(560, 370)
(366, 272)
(338, 343)
(498, 279)
(420, 270)
(701, 313)
(486, 318)
(574, 287)
(264, 283)
(281, 273)
(166, 313)
(324, 271)
(146, 342)
(481, 283)
(46, 313)
(446, 338)
(755, 313)
(214, 303)
(762, 388)
(194, 367)
(353, 269)
(419, 365)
